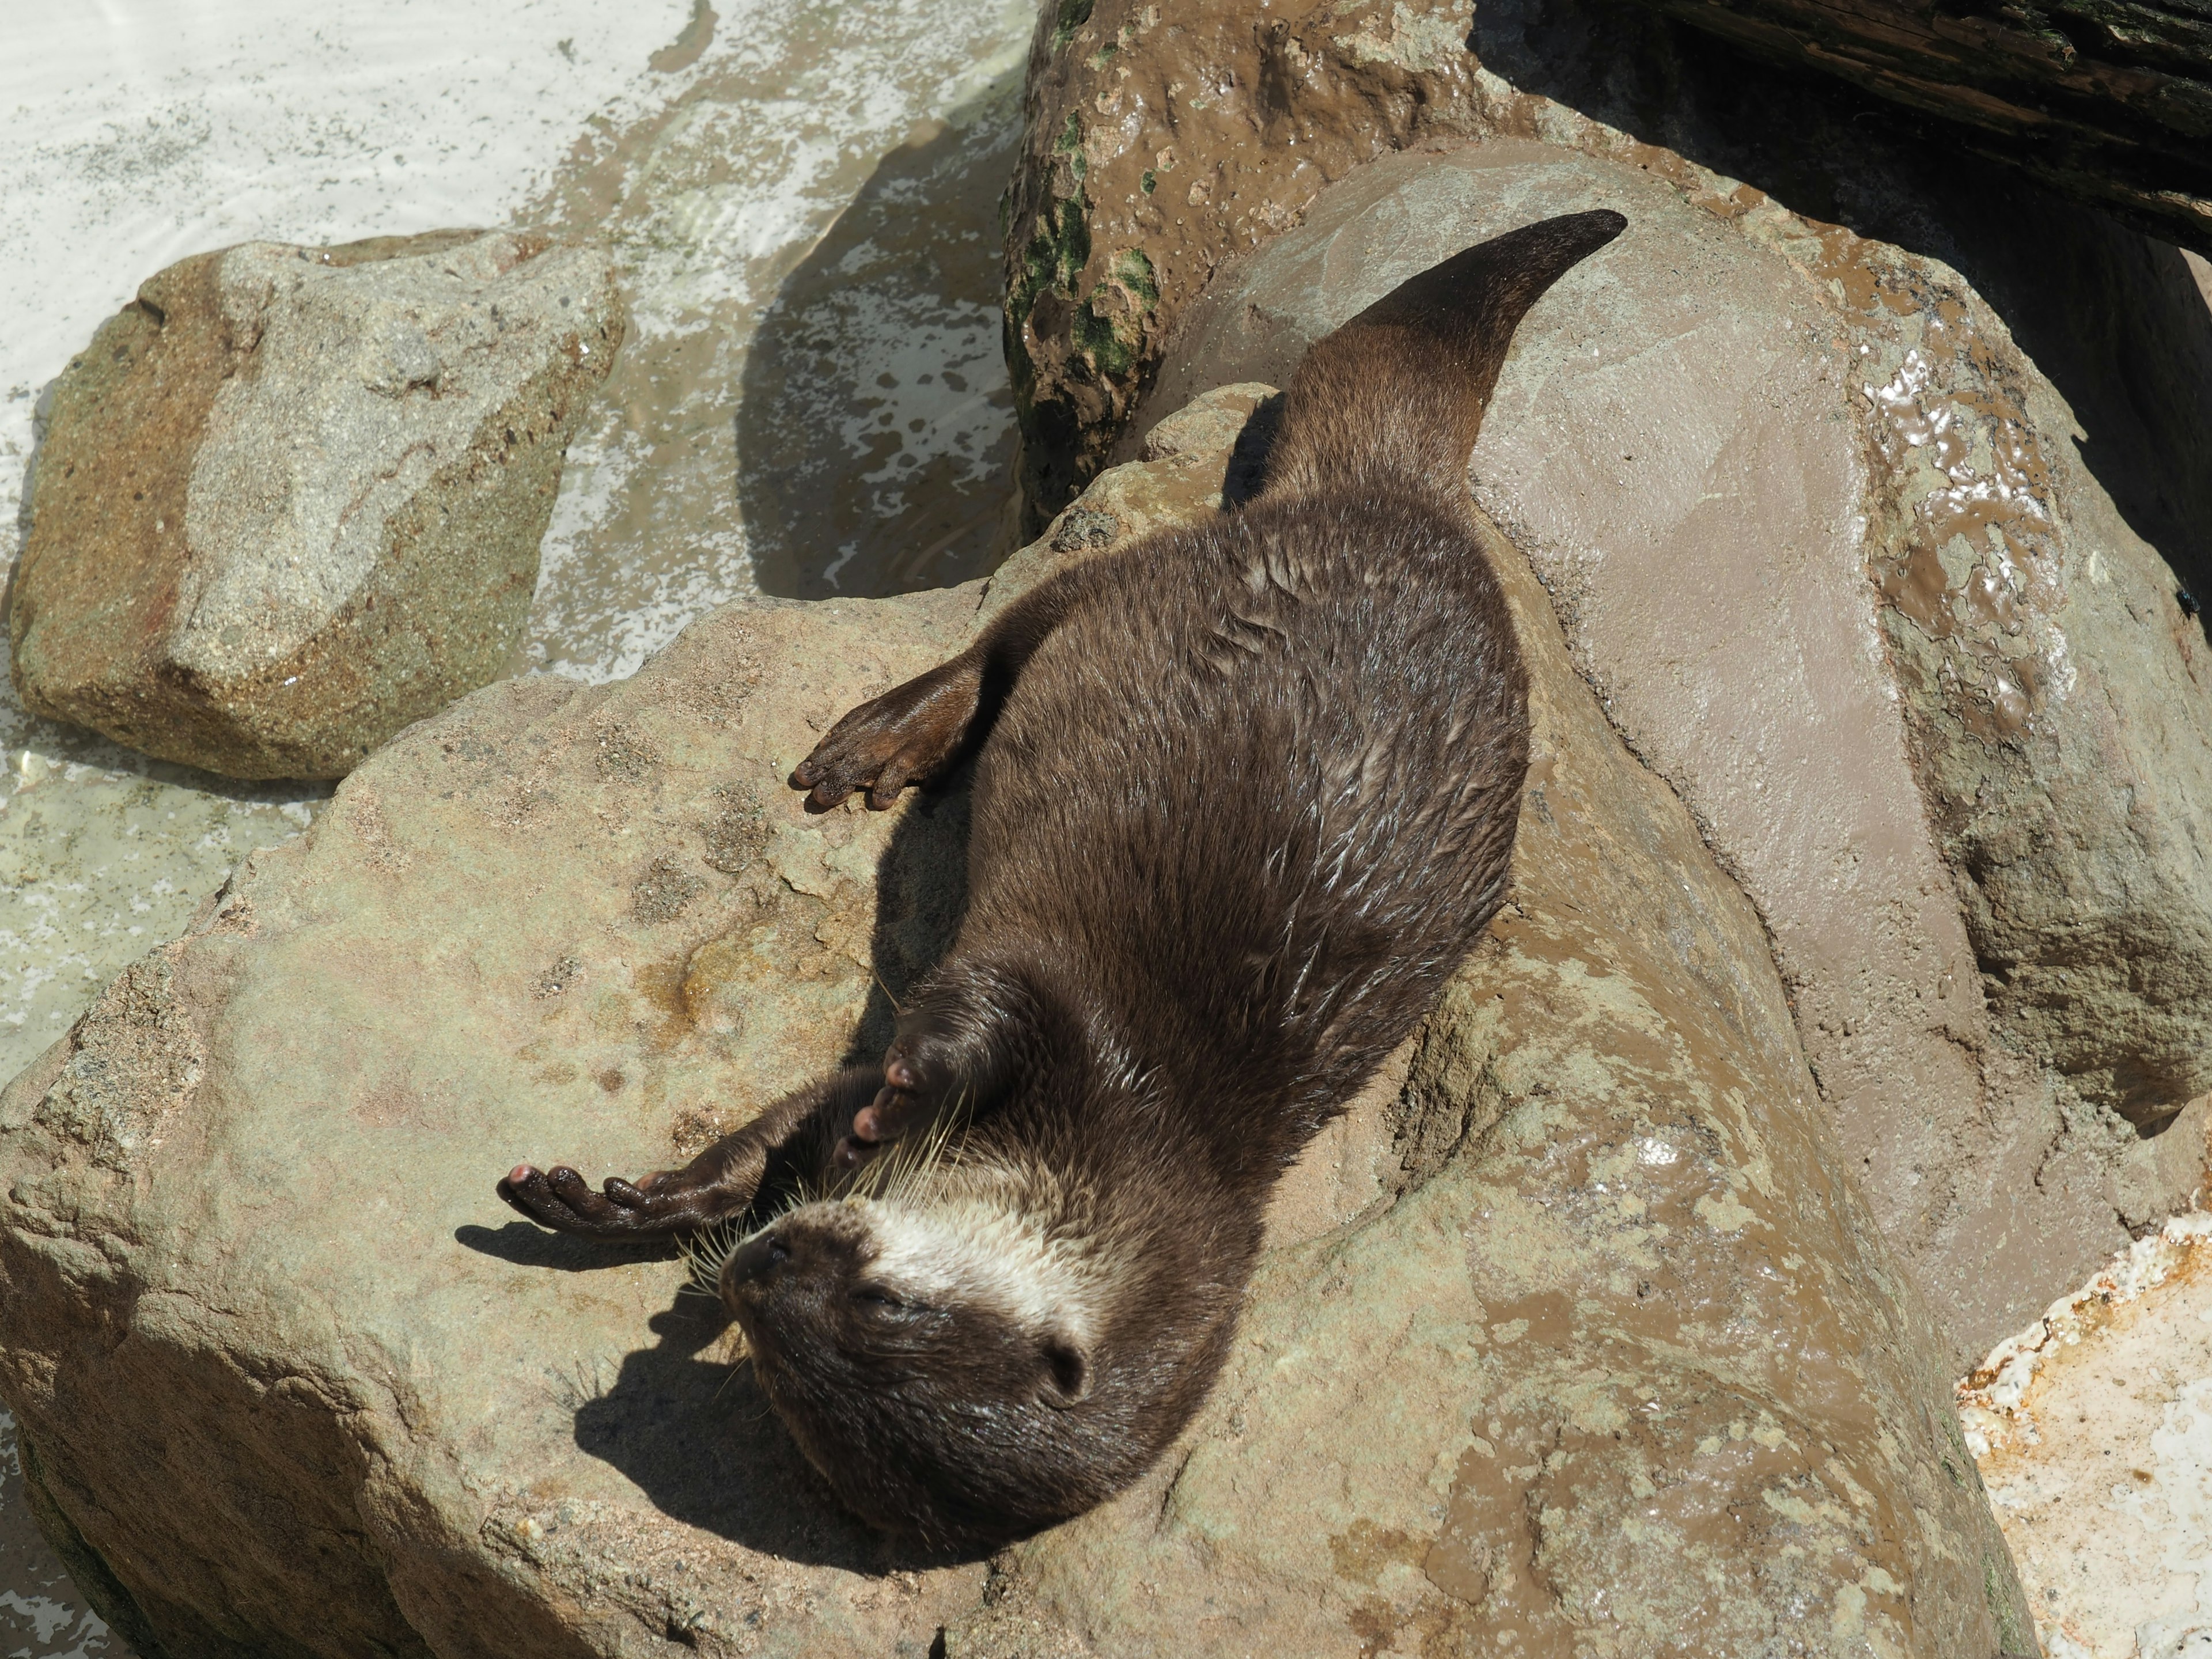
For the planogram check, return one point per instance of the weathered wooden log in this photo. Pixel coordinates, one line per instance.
(2108, 100)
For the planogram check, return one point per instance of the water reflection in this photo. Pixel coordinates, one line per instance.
(875, 433)
(817, 208)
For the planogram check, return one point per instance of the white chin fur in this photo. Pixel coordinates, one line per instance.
(978, 1251)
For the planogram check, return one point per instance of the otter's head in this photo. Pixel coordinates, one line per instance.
(945, 1362)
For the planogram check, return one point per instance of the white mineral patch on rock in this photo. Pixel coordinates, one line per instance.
(2093, 1429)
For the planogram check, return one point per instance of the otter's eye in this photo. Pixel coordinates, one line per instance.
(874, 1296)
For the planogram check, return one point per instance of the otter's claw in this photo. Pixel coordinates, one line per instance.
(904, 1103)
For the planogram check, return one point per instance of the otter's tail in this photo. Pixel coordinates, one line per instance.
(1396, 396)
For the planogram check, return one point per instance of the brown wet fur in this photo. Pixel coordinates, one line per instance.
(1244, 794)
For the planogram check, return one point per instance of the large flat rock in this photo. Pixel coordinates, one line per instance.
(1575, 1329)
(290, 499)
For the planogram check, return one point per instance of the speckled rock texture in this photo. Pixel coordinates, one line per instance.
(290, 499)
(2093, 1431)
(1844, 564)
(1163, 141)
(1575, 1328)
(1159, 140)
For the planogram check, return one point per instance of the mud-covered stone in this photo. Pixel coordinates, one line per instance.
(1574, 1328)
(1160, 140)
(290, 499)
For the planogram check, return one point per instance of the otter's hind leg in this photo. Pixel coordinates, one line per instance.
(915, 733)
(908, 735)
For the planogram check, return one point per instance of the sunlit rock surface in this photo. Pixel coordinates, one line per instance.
(1589, 1261)
(291, 498)
(712, 177)
(1162, 141)
(1820, 536)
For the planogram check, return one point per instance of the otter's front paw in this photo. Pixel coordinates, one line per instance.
(659, 1206)
(906, 736)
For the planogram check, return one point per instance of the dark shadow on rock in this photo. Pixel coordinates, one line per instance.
(693, 1431)
(922, 894)
(1248, 457)
(528, 1245)
(699, 1439)
(875, 434)
(2113, 316)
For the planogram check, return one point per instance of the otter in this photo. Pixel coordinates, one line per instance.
(1245, 793)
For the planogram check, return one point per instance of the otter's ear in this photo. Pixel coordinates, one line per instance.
(1066, 1380)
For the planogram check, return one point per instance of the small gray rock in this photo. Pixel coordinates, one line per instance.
(290, 498)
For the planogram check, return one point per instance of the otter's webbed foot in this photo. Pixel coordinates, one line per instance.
(790, 1142)
(660, 1206)
(908, 735)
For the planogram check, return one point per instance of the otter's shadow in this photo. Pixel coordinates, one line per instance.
(526, 1244)
(692, 1429)
(921, 896)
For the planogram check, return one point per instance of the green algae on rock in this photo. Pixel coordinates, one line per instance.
(290, 499)
(1160, 140)
(1572, 1329)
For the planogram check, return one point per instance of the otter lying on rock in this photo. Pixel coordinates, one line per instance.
(1244, 794)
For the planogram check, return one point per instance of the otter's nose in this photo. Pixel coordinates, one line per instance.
(755, 1259)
